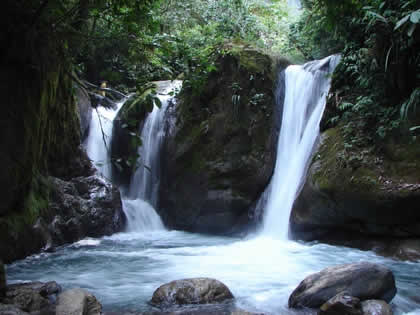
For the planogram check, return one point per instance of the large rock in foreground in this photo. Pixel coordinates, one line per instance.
(220, 149)
(191, 291)
(77, 302)
(362, 280)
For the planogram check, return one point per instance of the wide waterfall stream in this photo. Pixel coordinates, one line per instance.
(123, 270)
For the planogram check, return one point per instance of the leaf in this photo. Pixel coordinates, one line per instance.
(157, 102)
(414, 128)
(401, 22)
(415, 17)
(124, 126)
(387, 58)
(378, 16)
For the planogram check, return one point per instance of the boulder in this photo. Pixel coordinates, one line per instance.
(376, 307)
(191, 291)
(341, 304)
(362, 280)
(220, 146)
(77, 302)
(33, 297)
(355, 193)
(84, 206)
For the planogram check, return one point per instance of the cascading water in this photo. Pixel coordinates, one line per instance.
(98, 141)
(142, 194)
(294, 4)
(139, 202)
(306, 90)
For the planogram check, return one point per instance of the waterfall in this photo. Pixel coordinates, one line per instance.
(98, 141)
(305, 97)
(144, 184)
(139, 202)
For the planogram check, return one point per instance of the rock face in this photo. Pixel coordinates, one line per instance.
(69, 209)
(355, 193)
(361, 280)
(376, 307)
(77, 302)
(219, 152)
(191, 291)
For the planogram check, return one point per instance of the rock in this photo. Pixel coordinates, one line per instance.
(77, 302)
(33, 296)
(85, 111)
(352, 194)
(341, 304)
(2, 280)
(376, 307)
(85, 206)
(219, 152)
(8, 309)
(191, 291)
(362, 280)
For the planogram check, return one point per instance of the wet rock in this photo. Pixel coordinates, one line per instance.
(85, 206)
(191, 291)
(220, 145)
(376, 307)
(362, 280)
(33, 297)
(8, 309)
(354, 194)
(78, 302)
(341, 304)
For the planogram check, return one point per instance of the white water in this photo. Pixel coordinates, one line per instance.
(98, 142)
(306, 90)
(294, 4)
(141, 200)
(139, 203)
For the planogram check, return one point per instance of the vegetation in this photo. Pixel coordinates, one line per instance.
(376, 85)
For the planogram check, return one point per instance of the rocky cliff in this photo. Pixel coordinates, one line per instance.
(219, 152)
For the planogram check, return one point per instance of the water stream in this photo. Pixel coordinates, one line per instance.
(262, 270)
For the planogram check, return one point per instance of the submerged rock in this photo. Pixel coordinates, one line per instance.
(341, 304)
(376, 307)
(191, 291)
(362, 280)
(219, 152)
(78, 302)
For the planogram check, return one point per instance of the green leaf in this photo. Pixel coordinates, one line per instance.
(378, 16)
(157, 102)
(414, 128)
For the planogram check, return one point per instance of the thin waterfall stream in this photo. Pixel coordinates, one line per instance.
(261, 270)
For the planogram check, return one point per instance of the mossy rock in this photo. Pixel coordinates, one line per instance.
(359, 191)
(220, 154)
